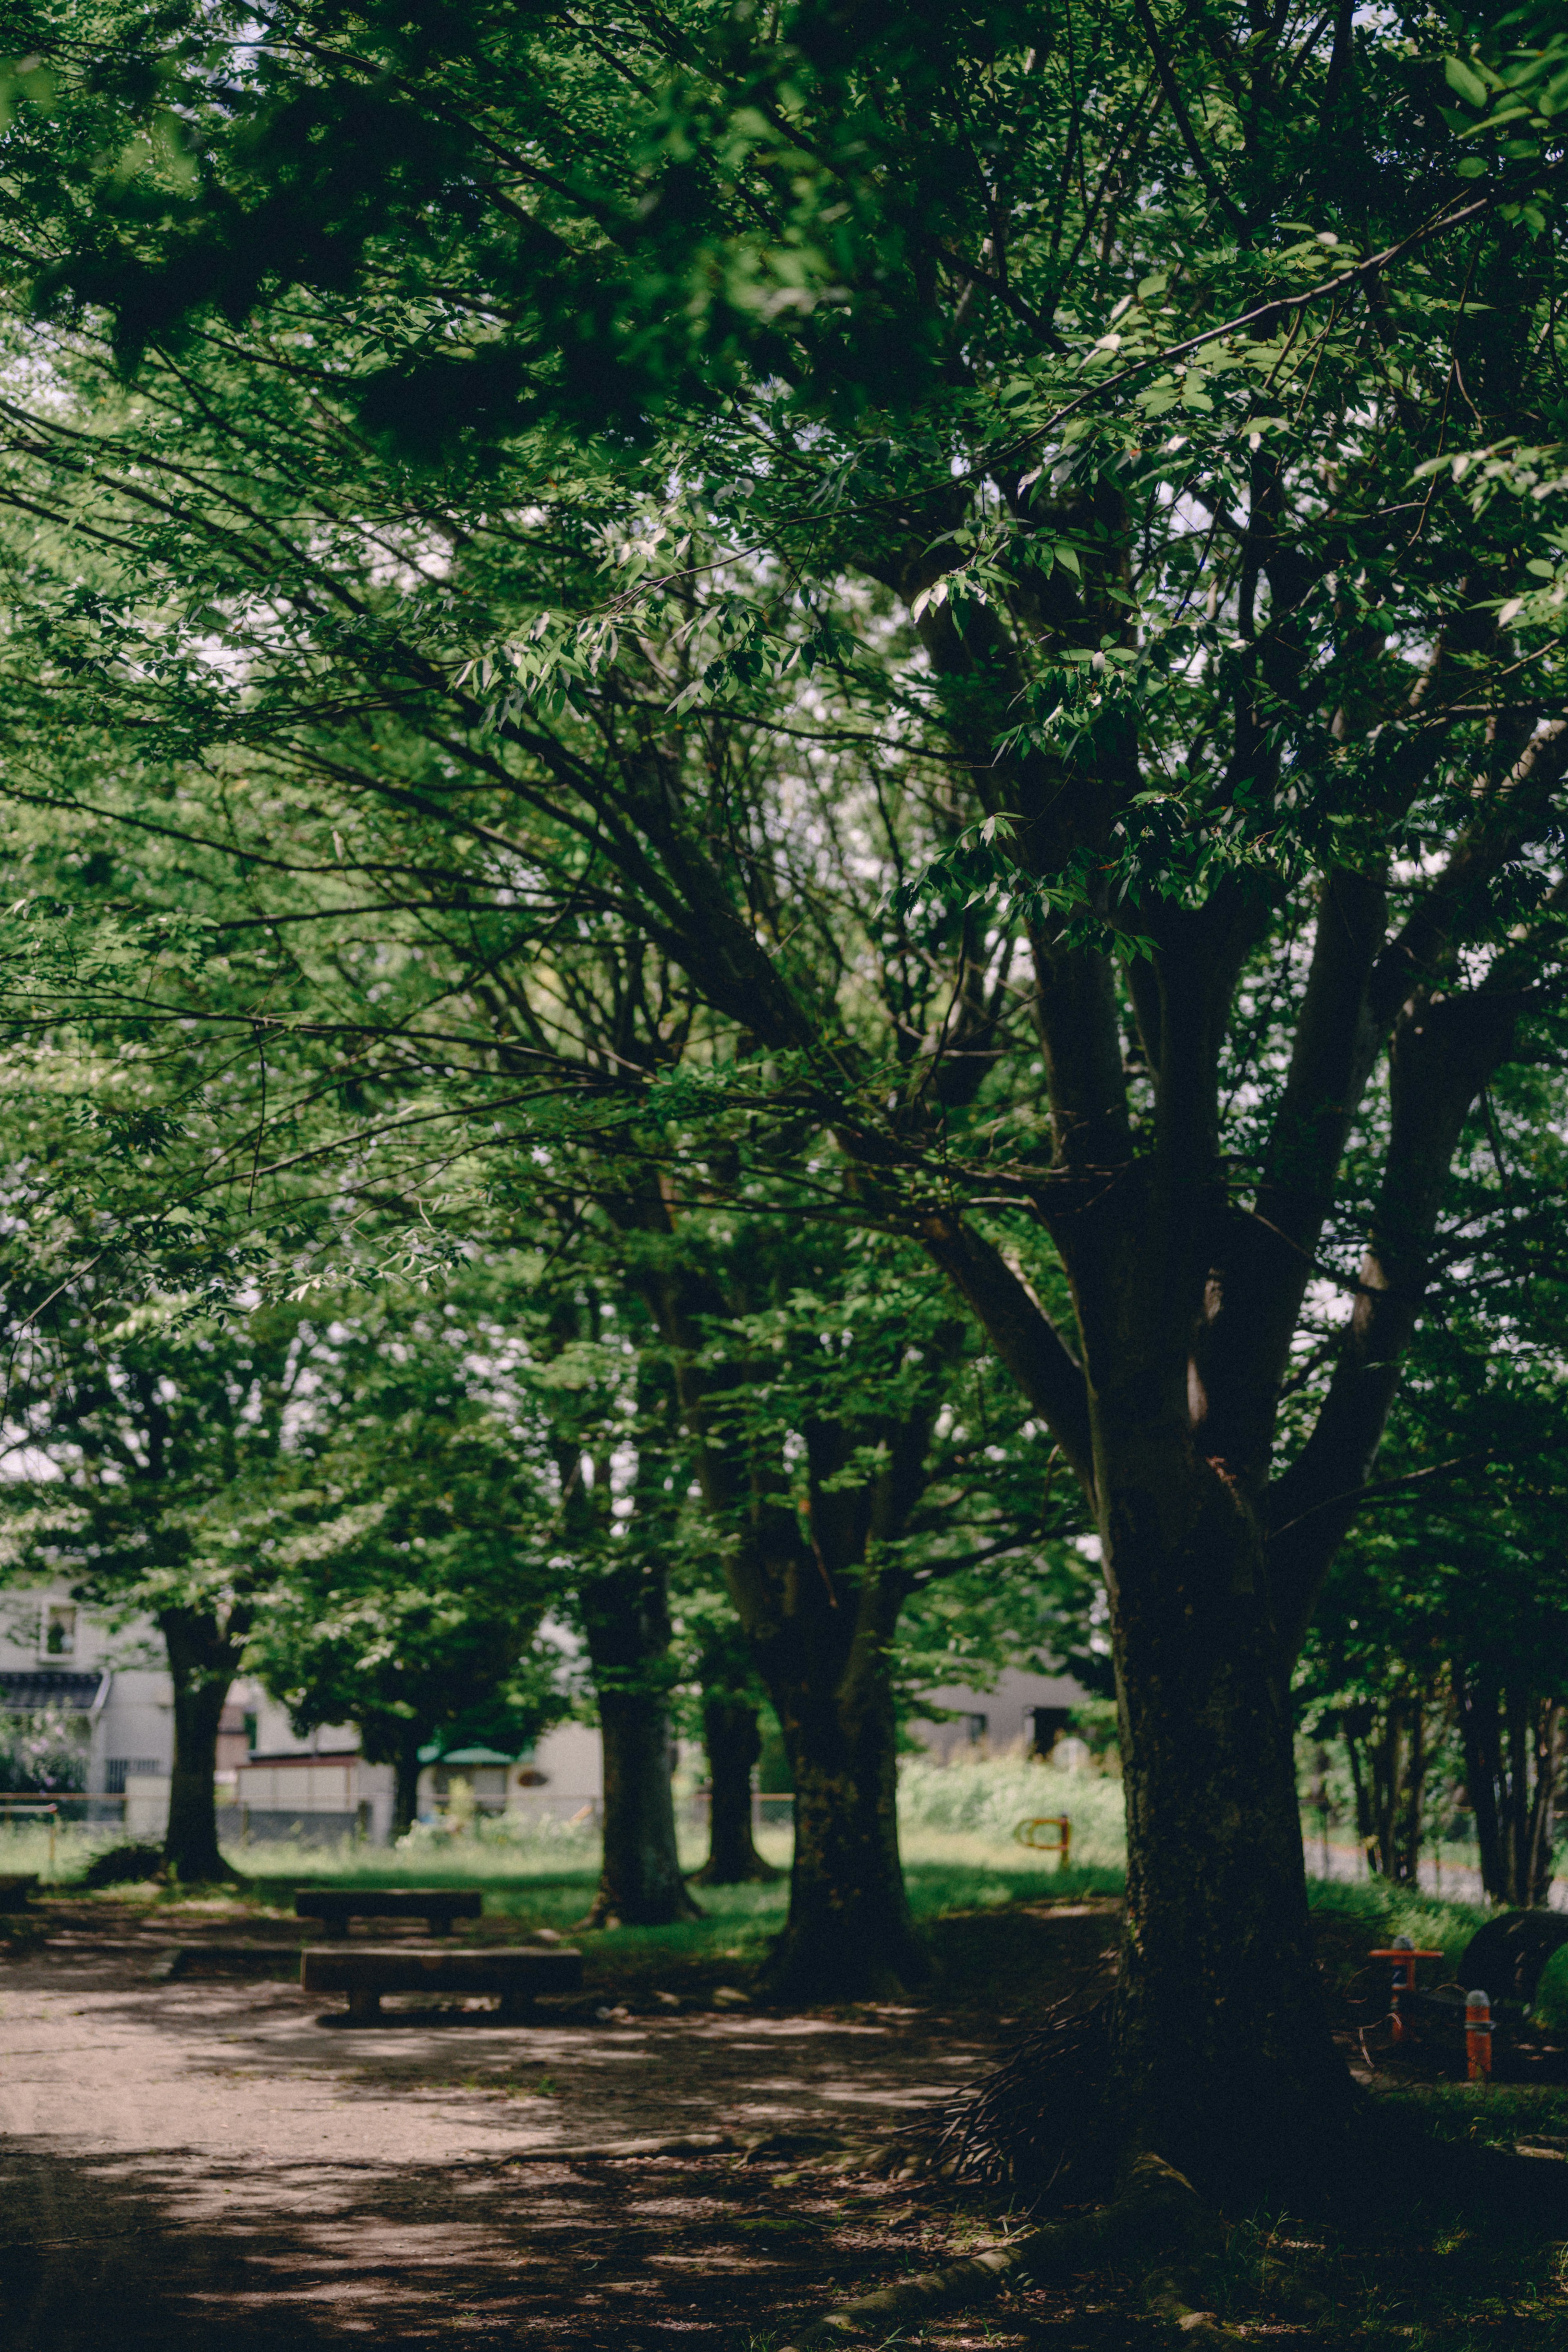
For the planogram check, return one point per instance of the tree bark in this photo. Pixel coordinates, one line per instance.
(1221, 2057)
(405, 1780)
(626, 1619)
(640, 1882)
(203, 1660)
(733, 1743)
(849, 1935)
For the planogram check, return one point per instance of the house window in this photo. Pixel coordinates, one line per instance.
(250, 1734)
(120, 1769)
(60, 1630)
(976, 1726)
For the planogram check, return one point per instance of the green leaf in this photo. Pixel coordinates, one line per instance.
(1463, 80)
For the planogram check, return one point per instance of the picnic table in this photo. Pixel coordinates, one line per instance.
(517, 1974)
(335, 1907)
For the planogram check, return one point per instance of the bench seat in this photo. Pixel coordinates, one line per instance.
(364, 1971)
(436, 1906)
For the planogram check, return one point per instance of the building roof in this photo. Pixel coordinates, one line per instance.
(49, 1687)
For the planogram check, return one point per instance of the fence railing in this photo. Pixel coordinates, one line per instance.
(54, 1805)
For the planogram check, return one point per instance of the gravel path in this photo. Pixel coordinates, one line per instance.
(203, 2166)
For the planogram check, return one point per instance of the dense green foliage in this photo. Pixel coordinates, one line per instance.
(680, 637)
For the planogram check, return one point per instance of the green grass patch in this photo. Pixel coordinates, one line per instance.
(1382, 1911)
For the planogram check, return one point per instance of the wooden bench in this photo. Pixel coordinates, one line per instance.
(436, 1906)
(364, 1971)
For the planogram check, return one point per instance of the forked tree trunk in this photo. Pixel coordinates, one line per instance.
(733, 1743)
(848, 1934)
(1222, 2056)
(201, 1664)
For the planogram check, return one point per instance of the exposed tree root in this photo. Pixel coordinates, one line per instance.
(1158, 2213)
(610, 2151)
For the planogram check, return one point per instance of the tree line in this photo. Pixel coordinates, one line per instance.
(927, 638)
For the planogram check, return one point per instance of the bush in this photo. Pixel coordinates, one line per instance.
(121, 1866)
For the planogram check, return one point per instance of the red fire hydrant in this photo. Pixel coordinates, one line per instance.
(1403, 1953)
(1477, 2037)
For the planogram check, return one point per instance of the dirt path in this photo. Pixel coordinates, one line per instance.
(203, 2166)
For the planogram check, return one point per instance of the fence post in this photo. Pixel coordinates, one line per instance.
(1477, 2037)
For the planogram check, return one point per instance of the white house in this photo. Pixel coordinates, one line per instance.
(106, 1697)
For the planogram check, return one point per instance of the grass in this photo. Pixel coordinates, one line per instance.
(1381, 1912)
(961, 1859)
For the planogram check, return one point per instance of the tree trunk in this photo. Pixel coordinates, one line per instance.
(1512, 1743)
(1221, 2057)
(626, 1618)
(1392, 1774)
(406, 1768)
(733, 1743)
(201, 1664)
(640, 1882)
(849, 1935)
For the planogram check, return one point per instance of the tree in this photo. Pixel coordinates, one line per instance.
(730, 1701)
(1444, 1617)
(409, 1586)
(1167, 872)
(163, 1434)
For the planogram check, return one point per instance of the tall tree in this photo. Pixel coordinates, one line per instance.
(1136, 444)
(408, 1582)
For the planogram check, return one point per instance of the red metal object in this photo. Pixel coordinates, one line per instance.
(1403, 1953)
(1477, 2037)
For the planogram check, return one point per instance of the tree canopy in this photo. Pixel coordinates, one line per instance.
(940, 621)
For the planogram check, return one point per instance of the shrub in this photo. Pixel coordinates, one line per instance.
(121, 1866)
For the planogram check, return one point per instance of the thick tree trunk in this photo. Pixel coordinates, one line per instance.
(733, 1743)
(626, 1618)
(201, 1664)
(849, 1933)
(1221, 2057)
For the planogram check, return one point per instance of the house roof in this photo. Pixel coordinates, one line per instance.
(50, 1687)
